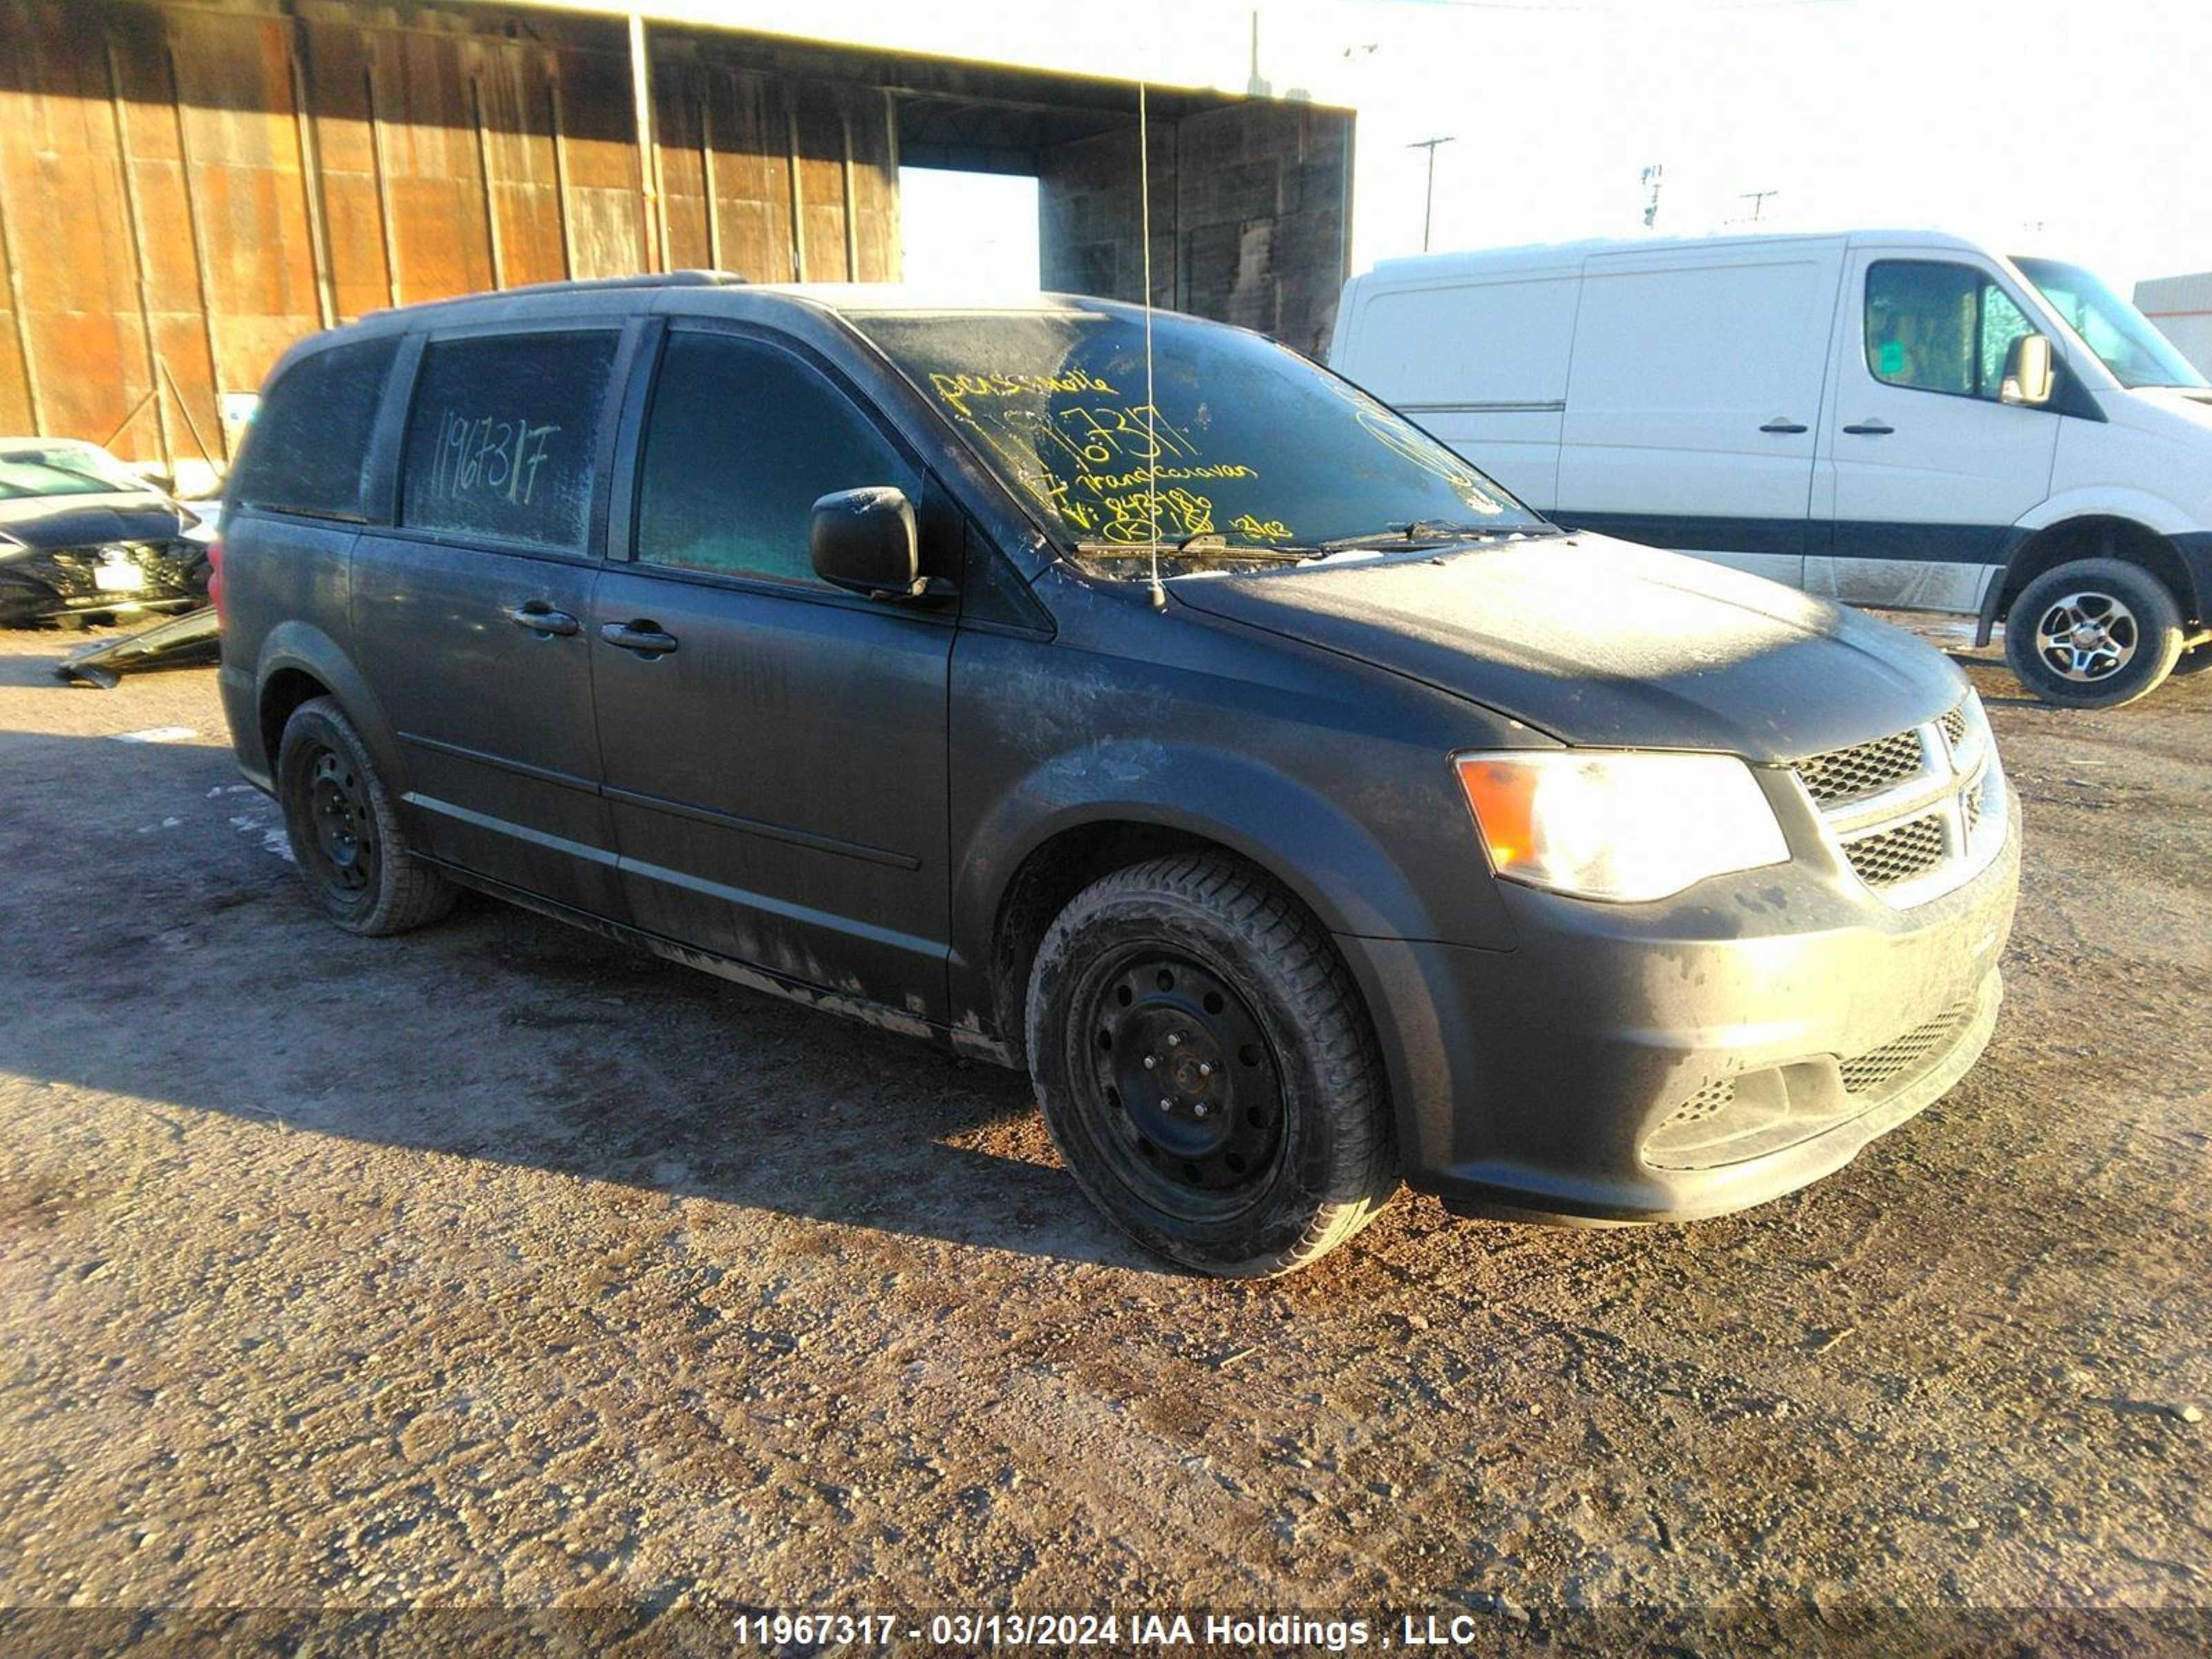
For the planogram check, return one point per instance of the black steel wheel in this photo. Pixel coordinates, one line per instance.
(343, 852)
(345, 833)
(1183, 1090)
(1206, 1068)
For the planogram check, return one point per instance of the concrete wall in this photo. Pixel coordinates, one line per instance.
(1251, 212)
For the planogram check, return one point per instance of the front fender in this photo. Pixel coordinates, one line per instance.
(1342, 872)
(2152, 512)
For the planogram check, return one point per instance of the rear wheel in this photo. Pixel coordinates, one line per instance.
(344, 832)
(2093, 634)
(1205, 1067)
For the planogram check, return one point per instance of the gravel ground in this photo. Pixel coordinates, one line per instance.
(499, 1266)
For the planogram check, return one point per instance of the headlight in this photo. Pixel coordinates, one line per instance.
(1973, 736)
(1624, 827)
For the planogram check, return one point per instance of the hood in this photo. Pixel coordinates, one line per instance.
(2192, 403)
(51, 521)
(1601, 642)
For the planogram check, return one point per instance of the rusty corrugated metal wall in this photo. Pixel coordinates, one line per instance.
(185, 188)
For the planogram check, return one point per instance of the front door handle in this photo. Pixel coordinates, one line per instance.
(541, 619)
(1869, 430)
(645, 638)
(1780, 424)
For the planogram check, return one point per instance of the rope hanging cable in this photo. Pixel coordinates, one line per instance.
(1159, 595)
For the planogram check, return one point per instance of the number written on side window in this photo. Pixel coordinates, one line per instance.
(742, 440)
(1932, 326)
(500, 439)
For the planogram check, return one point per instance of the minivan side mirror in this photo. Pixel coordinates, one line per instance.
(863, 541)
(2029, 375)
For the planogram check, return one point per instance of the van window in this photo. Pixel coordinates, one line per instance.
(307, 449)
(501, 440)
(742, 440)
(1936, 327)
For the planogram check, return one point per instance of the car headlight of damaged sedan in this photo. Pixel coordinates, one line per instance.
(1618, 826)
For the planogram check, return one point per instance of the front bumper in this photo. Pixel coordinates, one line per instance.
(1666, 1062)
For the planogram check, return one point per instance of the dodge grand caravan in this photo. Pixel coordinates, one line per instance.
(1302, 811)
(1889, 417)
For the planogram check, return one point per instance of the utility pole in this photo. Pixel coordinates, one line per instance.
(1758, 198)
(1429, 205)
(1654, 176)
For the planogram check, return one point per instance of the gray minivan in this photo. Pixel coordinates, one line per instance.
(1302, 810)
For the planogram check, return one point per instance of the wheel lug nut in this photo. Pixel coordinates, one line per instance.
(1199, 1108)
(1206, 1069)
(1166, 1105)
(1151, 1060)
(1175, 1039)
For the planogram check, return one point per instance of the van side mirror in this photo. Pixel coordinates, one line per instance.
(2029, 375)
(863, 541)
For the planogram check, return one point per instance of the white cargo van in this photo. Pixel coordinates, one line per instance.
(1889, 417)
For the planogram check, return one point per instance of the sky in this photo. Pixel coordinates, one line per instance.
(2078, 129)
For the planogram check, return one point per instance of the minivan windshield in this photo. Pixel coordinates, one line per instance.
(2128, 341)
(1255, 447)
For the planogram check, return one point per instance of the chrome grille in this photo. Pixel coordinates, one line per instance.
(1864, 769)
(1908, 812)
(1899, 853)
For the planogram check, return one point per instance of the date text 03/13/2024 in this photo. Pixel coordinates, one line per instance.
(1144, 1630)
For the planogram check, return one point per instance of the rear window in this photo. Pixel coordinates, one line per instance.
(501, 441)
(307, 449)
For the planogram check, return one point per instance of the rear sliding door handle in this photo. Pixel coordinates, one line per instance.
(1778, 424)
(541, 619)
(1869, 430)
(645, 638)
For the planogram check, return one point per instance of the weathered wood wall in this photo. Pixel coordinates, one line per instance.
(188, 186)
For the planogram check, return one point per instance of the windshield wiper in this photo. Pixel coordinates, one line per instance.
(1425, 531)
(1207, 543)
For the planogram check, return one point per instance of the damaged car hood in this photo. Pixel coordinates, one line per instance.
(1604, 642)
(45, 521)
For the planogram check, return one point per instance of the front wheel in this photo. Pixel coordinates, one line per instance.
(2093, 634)
(1207, 1069)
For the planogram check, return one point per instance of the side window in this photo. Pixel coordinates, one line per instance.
(307, 449)
(500, 440)
(742, 440)
(1935, 326)
(2002, 322)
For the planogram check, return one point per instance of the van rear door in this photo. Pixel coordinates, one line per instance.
(1695, 398)
(469, 614)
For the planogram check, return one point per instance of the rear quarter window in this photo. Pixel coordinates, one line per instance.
(307, 449)
(501, 440)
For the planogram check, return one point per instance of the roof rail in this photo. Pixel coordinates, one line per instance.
(642, 279)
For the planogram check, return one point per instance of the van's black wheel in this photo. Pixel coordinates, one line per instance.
(1207, 1069)
(2093, 634)
(345, 836)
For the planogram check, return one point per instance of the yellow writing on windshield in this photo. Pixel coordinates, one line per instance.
(957, 389)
